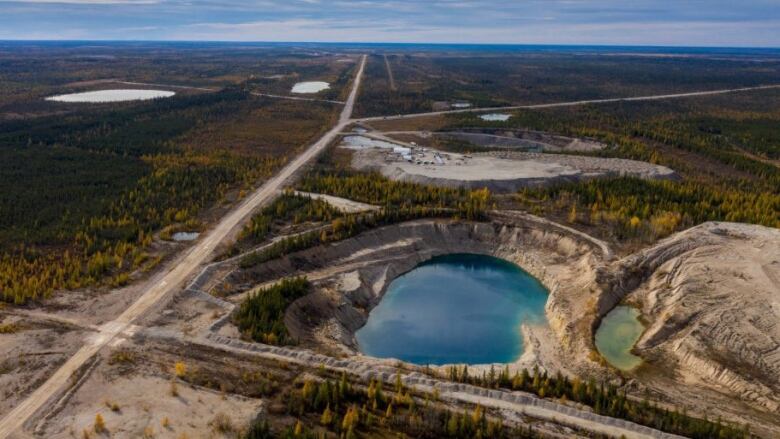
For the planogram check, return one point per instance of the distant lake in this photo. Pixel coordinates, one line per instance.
(459, 308)
(119, 95)
(310, 87)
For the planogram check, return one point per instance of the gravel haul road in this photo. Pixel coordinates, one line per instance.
(186, 266)
(570, 104)
(174, 279)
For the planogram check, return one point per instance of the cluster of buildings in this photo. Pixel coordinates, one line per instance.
(423, 156)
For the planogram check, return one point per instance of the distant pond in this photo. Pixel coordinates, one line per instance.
(458, 308)
(310, 87)
(616, 336)
(104, 96)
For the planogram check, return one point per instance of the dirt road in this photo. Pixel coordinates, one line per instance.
(264, 95)
(518, 402)
(343, 204)
(173, 280)
(185, 87)
(390, 77)
(296, 98)
(569, 104)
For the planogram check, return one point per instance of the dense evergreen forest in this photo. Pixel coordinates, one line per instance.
(398, 201)
(374, 188)
(632, 208)
(261, 315)
(84, 193)
(604, 399)
(33, 70)
(425, 82)
(288, 208)
(723, 147)
(337, 408)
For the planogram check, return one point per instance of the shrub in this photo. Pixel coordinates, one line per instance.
(100, 424)
(180, 369)
(222, 423)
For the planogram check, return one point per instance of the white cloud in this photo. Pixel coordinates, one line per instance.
(92, 2)
(642, 22)
(711, 33)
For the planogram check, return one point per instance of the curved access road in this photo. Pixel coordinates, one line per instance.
(569, 104)
(173, 280)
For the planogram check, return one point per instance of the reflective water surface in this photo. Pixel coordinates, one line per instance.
(459, 308)
(616, 336)
(102, 96)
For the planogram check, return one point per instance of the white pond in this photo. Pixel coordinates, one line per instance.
(310, 87)
(363, 142)
(119, 95)
(461, 105)
(495, 117)
(185, 236)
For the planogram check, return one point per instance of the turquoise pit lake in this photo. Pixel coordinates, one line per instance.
(452, 309)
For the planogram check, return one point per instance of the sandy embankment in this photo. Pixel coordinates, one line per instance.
(351, 276)
(711, 295)
(708, 294)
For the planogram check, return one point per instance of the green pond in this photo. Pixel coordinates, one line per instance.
(619, 331)
(458, 308)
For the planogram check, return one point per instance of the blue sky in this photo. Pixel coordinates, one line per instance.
(753, 23)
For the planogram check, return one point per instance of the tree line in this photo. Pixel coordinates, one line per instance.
(260, 317)
(399, 201)
(634, 208)
(604, 399)
(351, 225)
(338, 408)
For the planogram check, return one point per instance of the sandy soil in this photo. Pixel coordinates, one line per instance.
(711, 296)
(500, 172)
(343, 204)
(184, 267)
(189, 314)
(145, 405)
(31, 355)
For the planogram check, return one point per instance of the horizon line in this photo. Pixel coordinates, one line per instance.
(598, 45)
